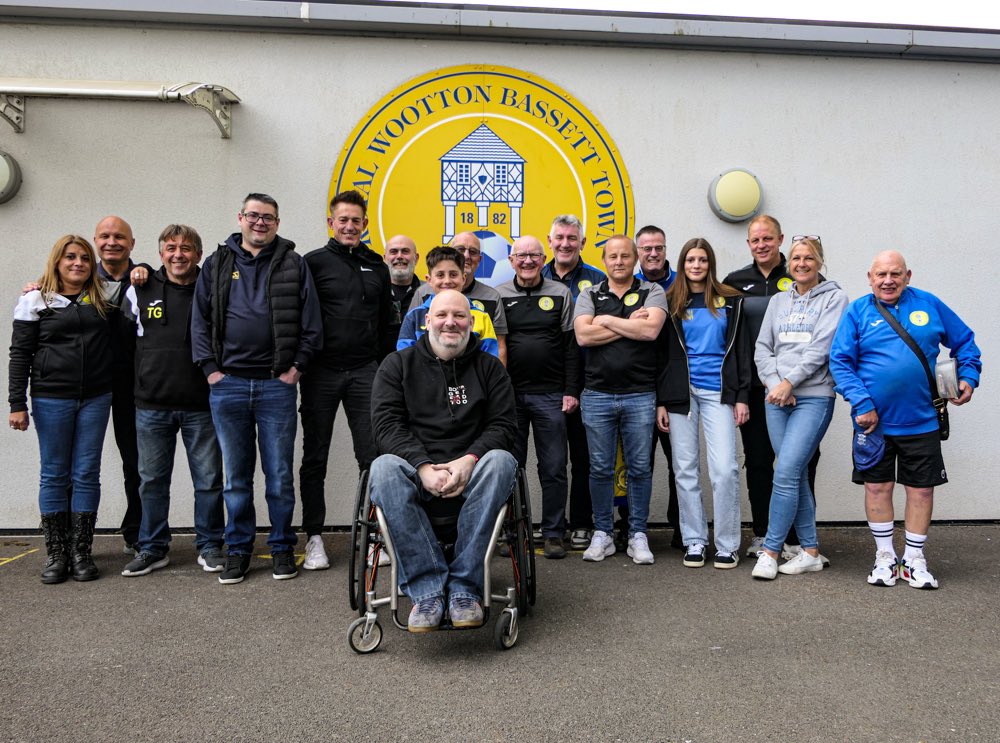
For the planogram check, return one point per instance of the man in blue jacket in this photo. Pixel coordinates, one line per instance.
(255, 326)
(887, 387)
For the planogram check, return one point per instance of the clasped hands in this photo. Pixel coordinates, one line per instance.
(449, 479)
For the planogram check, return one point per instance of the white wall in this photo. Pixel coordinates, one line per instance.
(870, 154)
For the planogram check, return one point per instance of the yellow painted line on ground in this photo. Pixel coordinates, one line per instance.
(300, 557)
(5, 560)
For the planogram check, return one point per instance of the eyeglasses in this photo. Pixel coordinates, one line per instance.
(525, 257)
(651, 248)
(471, 252)
(253, 217)
(797, 238)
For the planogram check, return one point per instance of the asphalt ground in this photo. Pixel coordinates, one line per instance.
(612, 652)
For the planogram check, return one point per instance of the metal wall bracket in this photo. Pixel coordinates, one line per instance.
(214, 99)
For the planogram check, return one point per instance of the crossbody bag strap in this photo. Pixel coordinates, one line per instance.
(937, 400)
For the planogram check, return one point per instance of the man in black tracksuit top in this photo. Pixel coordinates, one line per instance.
(759, 281)
(171, 396)
(255, 327)
(543, 361)
(352, 283)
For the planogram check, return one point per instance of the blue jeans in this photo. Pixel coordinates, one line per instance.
(607, 417)
(423, 573)
(795, 432)
(70, 442)
(241, 408)
(157, 436)
(544, 413)
(720, 438)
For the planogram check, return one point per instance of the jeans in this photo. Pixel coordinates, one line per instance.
(70, 442)
(157, 431)
(607, 417)
(795, 432)
(423, 573)
(544, 413)
(240, 409)
(720, 438)
(323, 391)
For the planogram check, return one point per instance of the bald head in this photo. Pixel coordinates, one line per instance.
(449, 324)
(527, 256)
(401, 257)
(468, 245)
(888, 276)
(113, 241)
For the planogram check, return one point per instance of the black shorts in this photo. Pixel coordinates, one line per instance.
(909, 460)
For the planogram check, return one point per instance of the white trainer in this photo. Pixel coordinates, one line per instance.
(638, 549)
(803, 562)
(766, 567)
(316, 558)
(886, 569)
(601, 546)
(383, 557)
(915, 572)
(756, 547)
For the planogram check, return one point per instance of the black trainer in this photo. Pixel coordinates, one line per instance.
(554, 549)
(145, 563)
(283, 566)
(237, 566)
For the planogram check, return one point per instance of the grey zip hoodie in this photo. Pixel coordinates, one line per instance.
(795, 338)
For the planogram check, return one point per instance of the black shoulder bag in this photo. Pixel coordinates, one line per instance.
(940, 403)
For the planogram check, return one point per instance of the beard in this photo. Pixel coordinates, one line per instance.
(447, 348)
(401, 276)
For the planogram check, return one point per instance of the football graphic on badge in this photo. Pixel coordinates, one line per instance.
(546, 303)
(631, 299)
(784, 284)
(919, 318)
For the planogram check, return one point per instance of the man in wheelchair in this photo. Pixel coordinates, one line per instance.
(443, 419)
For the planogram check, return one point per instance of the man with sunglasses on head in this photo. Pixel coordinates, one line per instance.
(255, 327)
(759, 281)
(483, 297)
(543, 361)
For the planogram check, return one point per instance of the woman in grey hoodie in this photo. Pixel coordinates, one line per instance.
(792, 354)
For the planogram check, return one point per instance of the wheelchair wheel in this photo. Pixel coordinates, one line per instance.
(523, 552)
(505, 631)
(361, 643)
(358, 561)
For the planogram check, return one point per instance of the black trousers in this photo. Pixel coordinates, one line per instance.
(123, 420)
(758, 458)
(323, 391)
(581, 515)
(673, 514)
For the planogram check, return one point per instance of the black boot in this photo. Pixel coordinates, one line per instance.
(81, 541)
(57, 545)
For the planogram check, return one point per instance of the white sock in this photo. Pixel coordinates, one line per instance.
(914, 545)
(882, 531)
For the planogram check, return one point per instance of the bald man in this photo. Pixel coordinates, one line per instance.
(401, 257)
(483, 297)
(114, 242)
(440, 442)
(887, 385)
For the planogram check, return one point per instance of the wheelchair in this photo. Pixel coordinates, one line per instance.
(370, 536)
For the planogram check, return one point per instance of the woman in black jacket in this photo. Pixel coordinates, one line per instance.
(61, 344)
(706, 379)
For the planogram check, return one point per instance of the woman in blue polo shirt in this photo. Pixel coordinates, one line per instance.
(706, 378)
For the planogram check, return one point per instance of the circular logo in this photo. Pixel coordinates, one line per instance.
(584, 284)
(719, 302)
(546, 303)
(784, 284)
(631, 299)
(483, 148)
(476, 304)
(919, 318)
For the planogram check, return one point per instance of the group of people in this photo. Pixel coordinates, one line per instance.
(442, 381)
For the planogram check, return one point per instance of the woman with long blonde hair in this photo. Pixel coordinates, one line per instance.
(61, 345)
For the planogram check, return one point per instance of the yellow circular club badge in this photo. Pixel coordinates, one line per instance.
(631, 299)
(546, 303)
(584, 284)
(784, 284)
(719, 302)
(919, 318)
(485, 149)
(476, 304)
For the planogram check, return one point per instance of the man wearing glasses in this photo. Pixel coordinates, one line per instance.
(355, 299)
(255, 326)
(483, 297)
(543, 361)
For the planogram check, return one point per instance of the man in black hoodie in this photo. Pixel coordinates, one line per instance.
(355, 296)
(443, 416)
(254, 329)
(171, 395)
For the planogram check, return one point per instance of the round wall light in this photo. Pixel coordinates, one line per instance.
(10, 177)
(735, 195)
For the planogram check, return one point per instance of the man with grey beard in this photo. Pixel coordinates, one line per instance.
(401, 257)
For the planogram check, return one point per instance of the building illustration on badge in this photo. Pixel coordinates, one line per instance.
(484, 170)
(452, 150)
